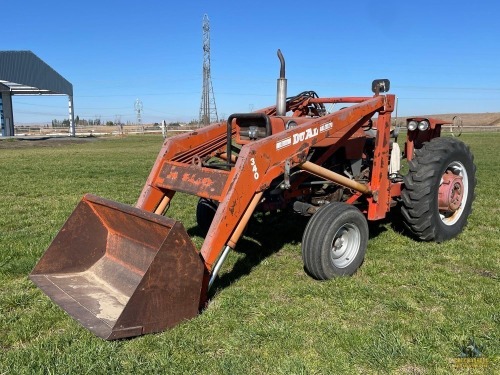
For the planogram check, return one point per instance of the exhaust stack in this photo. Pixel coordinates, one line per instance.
(281, 89)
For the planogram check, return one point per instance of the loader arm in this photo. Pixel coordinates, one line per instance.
(258, 163)
(183, 147)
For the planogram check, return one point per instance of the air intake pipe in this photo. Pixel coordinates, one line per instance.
(281, 90)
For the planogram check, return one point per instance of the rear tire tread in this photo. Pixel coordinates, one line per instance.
(421, 184)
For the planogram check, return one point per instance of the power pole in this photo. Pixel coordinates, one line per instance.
(138, 109)
(208, 110)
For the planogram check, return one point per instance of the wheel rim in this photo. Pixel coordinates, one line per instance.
(450, 216)
(345, 245)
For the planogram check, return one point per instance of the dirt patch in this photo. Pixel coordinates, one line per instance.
(16, 143)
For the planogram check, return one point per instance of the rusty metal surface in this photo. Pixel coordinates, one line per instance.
(183, 147)
(415, 139)
(335, 177)
(451, 192)
(121, 271)
(379, 203)
(192, 179)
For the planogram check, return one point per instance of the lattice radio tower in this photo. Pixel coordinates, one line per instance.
(138, 109)
(208, 110)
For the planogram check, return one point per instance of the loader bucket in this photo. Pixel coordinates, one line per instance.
(121, 271)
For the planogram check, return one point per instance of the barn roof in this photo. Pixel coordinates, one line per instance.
(24, 73)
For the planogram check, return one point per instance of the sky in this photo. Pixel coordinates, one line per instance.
(440, 56)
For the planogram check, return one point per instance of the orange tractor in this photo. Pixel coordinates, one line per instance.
(124, 271)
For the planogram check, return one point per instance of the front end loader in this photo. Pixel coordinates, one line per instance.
(124, 271)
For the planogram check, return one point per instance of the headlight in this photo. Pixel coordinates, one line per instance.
(423, 125)
(412, 125)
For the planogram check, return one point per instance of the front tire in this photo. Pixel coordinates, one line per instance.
(334, 241)
(205, 212)
(438, 190)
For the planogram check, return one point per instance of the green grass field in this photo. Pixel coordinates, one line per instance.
(412, 308)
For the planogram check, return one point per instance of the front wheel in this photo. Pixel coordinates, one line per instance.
(438, 190)
(205, 212)
(334, 241)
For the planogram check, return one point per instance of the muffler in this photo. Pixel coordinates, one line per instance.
(281, 88)
(121, 271)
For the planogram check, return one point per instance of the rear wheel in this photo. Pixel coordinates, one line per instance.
(334, 241)
(439, 190)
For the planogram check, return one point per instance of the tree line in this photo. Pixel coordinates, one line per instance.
(81, 121)
(97, 121)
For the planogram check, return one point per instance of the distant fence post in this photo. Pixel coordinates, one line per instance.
(72, 130)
